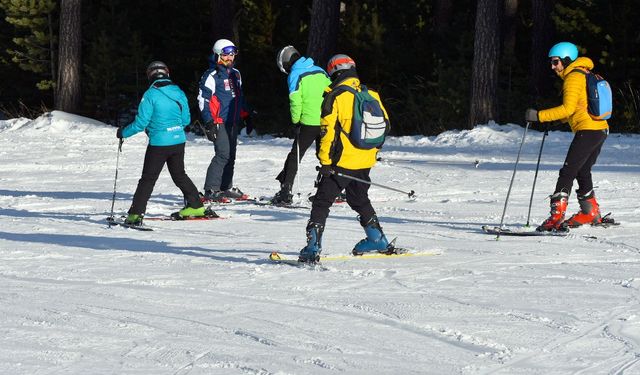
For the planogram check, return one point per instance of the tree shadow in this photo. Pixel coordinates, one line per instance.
(95, 195)
(106, 243)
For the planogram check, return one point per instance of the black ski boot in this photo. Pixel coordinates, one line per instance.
(283, 197)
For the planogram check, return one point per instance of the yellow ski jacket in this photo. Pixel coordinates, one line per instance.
(337, 112)
(574, 100)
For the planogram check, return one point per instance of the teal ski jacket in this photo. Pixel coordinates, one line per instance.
(163, 113)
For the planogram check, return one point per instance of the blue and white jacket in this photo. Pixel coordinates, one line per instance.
(163, 113)
(220, 96)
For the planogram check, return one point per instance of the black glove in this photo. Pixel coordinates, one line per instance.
(531, 115)
(211, 130)
(119, 133)
(296, 129)
(326, 170)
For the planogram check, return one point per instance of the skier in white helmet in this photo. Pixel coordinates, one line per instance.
(222, 109)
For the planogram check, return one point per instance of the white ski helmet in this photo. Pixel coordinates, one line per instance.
(339, 62)
(286, 58)
(224, 47)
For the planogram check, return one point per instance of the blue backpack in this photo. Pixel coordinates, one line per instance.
(369, 127)
(599, 96)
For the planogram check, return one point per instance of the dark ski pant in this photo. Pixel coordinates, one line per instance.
(154, 160)
(357, 195)
(306, 136)
(220, 172)
(582, 155)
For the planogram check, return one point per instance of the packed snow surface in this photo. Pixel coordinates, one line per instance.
(201, 297)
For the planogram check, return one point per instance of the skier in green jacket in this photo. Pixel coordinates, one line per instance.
(307, 83)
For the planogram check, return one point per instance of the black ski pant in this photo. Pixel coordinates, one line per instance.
(582, 155)
(306, 136)
(154, 160)
(357, 195)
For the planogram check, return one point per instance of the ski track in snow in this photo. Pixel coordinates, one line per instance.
(202, 298)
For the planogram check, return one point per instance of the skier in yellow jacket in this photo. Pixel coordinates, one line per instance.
(337, 154)
(589, 137)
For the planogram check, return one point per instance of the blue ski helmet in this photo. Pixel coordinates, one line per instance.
(564, 50)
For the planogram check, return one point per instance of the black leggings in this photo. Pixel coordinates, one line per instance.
(308, 134)
(154, 160)
(582, 155)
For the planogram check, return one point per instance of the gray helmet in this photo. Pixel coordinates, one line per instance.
(157, 70)
(339, 62)
(286, 58)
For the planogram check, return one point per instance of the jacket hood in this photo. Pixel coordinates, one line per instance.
(580, 62)
(303, 63)
(168, 88)
(343, 76)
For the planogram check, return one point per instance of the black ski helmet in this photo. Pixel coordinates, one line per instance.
(157, 70)
(286, 58)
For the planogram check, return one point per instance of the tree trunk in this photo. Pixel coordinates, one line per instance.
(442, 17)
(484, 79)
(509, 29)
(323, 31)
(541, 42)
(68, 83)
(222, 16)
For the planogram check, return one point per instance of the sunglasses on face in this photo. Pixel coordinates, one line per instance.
(555, 62)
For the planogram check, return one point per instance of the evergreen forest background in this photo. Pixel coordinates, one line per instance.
(438, 64)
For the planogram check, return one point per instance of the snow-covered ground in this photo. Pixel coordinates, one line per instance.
(200, 297)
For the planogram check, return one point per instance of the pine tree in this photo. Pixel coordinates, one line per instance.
(34, 46)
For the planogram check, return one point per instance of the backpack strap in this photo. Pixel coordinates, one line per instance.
(335, 92)
(163, 93)
(580, 70)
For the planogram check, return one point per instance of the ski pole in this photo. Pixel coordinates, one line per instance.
(535, 176)
(115, 180)
(515, 168)
(298, 161)
(411, 193)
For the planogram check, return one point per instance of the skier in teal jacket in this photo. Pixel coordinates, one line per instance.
(163, 114)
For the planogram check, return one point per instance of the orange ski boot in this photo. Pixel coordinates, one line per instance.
(589, 212)
(558, 209)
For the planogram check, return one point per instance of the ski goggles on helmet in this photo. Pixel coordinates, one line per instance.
(229, 51)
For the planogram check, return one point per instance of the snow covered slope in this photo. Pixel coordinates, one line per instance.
(200, 297)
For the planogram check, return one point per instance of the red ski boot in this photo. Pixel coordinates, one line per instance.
(589, 211)
(558, 209)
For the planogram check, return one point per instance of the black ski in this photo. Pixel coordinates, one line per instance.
(141, 227)
(522, 231)
(280, 205)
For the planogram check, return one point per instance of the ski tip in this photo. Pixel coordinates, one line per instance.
(275, 256)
